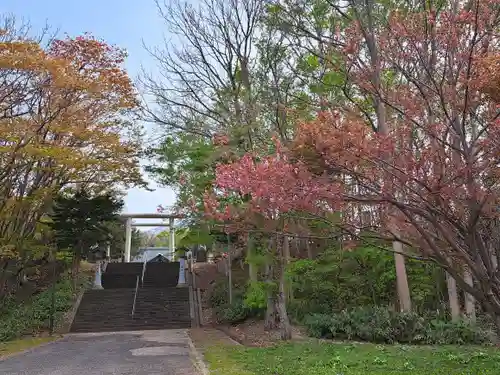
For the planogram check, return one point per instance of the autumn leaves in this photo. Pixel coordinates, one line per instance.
(64, 120)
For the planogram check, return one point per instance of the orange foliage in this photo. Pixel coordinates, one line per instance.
(63, 119)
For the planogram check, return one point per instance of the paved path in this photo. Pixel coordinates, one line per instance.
(125, 353)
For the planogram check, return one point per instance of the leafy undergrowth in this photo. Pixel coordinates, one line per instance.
(19, 345)
(320, 358)
(33, 317)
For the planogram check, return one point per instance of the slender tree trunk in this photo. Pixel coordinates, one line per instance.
(77, 256)
(453, 297)
(470, 302)
(401, 278)
(285, 326)
(286, 260)
(252, 269)
(364, 12)
(309, 250)
(3, 279)
(230, 277)
(296, 243)
(271, 317)
(75, 269)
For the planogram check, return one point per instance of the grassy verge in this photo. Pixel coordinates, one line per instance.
(319, 358)
(19, 345)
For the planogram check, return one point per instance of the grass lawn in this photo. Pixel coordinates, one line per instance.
(317, 358)
(19, 345)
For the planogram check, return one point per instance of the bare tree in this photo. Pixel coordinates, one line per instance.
(204, 85)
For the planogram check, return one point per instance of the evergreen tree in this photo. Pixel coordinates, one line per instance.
(81, 222)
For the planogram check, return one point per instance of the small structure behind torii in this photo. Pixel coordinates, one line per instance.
(129, 224)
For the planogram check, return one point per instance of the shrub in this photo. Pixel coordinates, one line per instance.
(232, 314)
(247, 302)
(375, 324)
(381, 325)
(219, 295)
(256, 298)
(30, 318)
(461, 332)
(364, 276)
(319, 325)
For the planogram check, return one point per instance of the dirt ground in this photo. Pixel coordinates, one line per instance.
(249, 333)
(252, 333)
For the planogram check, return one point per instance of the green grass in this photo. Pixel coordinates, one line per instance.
(20, 345)
(316, 358)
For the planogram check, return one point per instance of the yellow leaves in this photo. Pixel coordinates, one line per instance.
(8, 252)
(23, 55)
(487, 79)
(62, 121)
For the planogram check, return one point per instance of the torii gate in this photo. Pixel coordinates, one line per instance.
(129, 224)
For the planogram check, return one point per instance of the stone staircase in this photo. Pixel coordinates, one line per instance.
(161, 275)
(160, 304)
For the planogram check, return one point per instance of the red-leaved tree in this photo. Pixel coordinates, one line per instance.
(429, 173)
(258, 192)
(431, 177)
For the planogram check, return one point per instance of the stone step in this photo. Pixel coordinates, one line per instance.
(129, 327)
(129, 324)
(170, 291)
(141, 294)
(159, 277)
(174, 313)
(110, 310)
(129, 321)
(121, 328)
(136, 268)
(124, 268)
(130, 299)
(139, 309)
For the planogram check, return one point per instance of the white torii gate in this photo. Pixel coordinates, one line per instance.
(128, 241)
(129, 224)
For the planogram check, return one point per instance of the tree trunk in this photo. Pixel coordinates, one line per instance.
(470, 302)
(285, 327)
(453, 297)
(3, 278)
(230, 277)
(383, 128)
(252, 269)
(309, 251)
(75, 267)
(286, 260)
(401, 278)
(271, 318)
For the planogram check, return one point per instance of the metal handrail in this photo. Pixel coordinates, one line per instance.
(135, 296)
(143, 271)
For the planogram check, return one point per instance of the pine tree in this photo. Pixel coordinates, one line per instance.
(81, 221)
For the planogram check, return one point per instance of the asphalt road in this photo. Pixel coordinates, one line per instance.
(124, 353)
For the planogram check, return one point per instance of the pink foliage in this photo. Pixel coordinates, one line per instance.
(274, 186)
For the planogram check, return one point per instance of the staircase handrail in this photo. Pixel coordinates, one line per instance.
(143, 271)
(135, 296)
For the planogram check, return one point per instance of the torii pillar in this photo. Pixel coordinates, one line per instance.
(182, 264)
(171, 238)
(128, 239)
